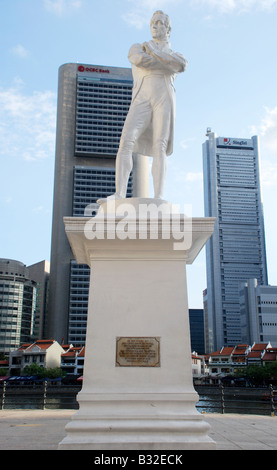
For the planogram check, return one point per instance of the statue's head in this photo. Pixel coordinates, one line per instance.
(160, 25)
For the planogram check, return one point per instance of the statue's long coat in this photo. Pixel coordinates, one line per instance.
(165, 61)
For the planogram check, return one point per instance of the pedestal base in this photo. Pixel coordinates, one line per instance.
(137, 389)
(161, 423)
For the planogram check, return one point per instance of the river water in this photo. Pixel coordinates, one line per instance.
(243, 400)
(211, 399)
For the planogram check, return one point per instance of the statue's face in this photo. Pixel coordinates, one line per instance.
(159, 29)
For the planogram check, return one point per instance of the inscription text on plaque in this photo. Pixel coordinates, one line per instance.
(137, 351)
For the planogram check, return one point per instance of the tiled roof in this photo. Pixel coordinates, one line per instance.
(69, 354)
(262, 351)
(259, 346)
(240, 349)
(225, 351)
(269, 356)
(254, 354)
(72, 352)
(82, 353)
(78, 351)
(216, 353)
(24, 346)
(193, 356)
(42, 344)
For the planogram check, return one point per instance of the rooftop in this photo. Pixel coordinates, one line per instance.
(42, 344)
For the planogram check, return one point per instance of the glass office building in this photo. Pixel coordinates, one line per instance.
(90, 183)
(40, 273)
(258, 313)
(236, 251)
(93, 102)
(17, 305)
(196, 322)
(101, 109)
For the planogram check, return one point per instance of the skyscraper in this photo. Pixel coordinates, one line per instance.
(40, 272)
(17, 305)
(196, 322)
(93, 102)
(259, 313)
(236, 251)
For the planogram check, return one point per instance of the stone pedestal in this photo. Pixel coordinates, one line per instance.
(137, 387)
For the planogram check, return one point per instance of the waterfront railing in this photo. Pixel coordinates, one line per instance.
(212, 399)
(242, 400)
(38, 396)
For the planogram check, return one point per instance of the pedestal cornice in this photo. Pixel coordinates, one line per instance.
(177, 236)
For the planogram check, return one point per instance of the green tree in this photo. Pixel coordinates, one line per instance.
(258, 374)
(34, 369)
(54, 373)
(43, 373)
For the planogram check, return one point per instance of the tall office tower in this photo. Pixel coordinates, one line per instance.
(236, 251)
(258, 313)
(196, 323)
(93, 102)
(40, 272)
(17, 305)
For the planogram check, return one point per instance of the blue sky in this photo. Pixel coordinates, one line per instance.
(229, 85)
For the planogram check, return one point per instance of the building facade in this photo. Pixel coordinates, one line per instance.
(93, 102)
(72, 361)
(44, 353)
(40, 272)
(236, 251)
(258, 313)
(17, 305)
(196, 322)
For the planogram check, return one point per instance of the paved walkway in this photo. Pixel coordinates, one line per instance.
(43, 430)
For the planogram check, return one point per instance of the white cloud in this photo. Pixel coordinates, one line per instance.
(8, 200)
(193, 177)
(183, 176)
(267, 129)
(140, 12)
(186, 143)
(20, 51)
(267, 132)
(269, 174)
(27, 124)
(236, 6)
(38, 209)
(60, 7)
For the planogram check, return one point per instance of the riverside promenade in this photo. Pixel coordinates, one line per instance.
(43, 430)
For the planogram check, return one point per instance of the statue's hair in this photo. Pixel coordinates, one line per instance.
(167, 19)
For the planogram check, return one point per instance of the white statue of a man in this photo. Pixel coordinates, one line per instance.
(149, 125)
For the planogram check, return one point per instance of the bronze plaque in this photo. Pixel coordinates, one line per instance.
(137, 351)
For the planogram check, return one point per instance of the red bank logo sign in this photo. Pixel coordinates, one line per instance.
(234, 142)
(229, 142)
(84, 68)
